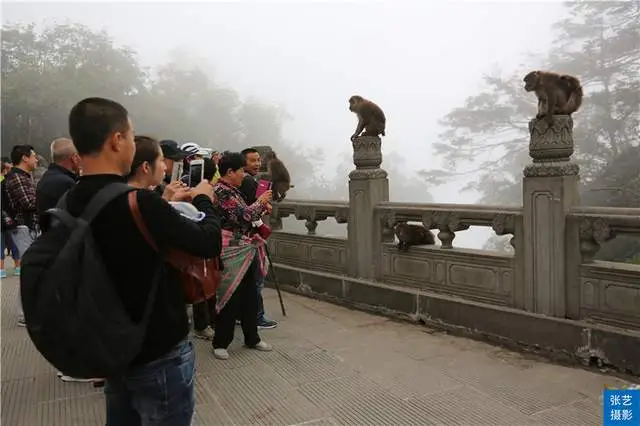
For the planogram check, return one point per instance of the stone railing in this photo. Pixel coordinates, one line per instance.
(311, 212)
(550, 293)
(601, 291)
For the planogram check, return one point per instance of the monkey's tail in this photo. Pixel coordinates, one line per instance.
(575, 99)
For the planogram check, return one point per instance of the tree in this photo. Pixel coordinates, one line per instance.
(599, 43)
(45, 74)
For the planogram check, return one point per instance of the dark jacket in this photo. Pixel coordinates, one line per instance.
(54, 183)
(248, 189)
(131, 262)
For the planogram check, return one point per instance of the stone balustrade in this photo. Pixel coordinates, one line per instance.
(549, 295)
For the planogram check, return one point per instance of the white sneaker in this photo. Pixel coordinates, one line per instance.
(69, 379)
(221, 353)
(263, 346)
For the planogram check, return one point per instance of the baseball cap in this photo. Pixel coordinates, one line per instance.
(171, 150)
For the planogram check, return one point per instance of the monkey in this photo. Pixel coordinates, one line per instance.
(557, 94)
(371, 119)
(278, 175)
(413, 235)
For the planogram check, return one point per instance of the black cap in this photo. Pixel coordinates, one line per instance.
(171, 150)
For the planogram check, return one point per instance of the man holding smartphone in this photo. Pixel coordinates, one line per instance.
(173, 156)
(248, 189)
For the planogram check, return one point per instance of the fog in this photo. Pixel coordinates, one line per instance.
(417, 60)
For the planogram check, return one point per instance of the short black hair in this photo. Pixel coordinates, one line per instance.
(247, 151)
(210, 168)
(230, 161)
(6, 160)
(92, 120)
(19, 151)
(147, 149)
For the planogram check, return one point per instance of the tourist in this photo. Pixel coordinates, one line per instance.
(158, 388)
(61, 175)
(172, 154)
(248, 190)
(204, 312)
(19, 189)
(244, 258)
(8, 247)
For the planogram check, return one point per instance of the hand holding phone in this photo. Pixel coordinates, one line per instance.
(176, 172)
(265, 197)
(175, 191)
(203, 188)
(196, 172)
(263, 186)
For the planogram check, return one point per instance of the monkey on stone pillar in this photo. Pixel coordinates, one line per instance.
(557, 94)
(371, 119)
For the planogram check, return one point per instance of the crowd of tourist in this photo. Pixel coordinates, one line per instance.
(157, 387)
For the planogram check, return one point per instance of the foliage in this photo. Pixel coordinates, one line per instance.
(488, 136)
(45, 73)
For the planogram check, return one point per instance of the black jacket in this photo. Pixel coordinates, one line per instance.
(131, 262)
(54, 183)
(248, 189)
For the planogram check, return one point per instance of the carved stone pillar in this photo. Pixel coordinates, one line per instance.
(368, 186)
(550, 189)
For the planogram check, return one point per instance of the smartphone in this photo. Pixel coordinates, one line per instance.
(263, 186)
(196, 172)
(176, 173)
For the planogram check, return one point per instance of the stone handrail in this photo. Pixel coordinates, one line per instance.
(551, 274)
(450, 218)
(310, 211)
(597, 225)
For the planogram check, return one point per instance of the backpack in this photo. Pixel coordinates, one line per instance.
(199, 277)
(73, 312)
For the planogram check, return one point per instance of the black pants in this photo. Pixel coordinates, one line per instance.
(244, 305)
(204, 314)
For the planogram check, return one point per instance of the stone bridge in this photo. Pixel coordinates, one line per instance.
(549, 296)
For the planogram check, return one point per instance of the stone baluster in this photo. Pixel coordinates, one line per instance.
(311, 226)
(593, 233)
(550, 189)
(368, 186)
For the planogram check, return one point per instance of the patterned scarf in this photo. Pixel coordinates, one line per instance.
(238, 251)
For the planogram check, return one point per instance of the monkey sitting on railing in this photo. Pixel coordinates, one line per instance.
(413, 235)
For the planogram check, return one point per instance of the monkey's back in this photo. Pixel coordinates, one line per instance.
(412, 234)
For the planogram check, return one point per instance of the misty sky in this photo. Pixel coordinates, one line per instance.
(416, 59)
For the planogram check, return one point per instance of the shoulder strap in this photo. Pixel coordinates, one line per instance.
(137, 217)
(101, 199)
(62, 202)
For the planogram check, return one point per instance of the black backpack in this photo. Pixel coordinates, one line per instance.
(73, 312)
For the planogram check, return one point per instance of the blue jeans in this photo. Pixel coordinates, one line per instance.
(159, 393)
(7, 241)
(259, 287)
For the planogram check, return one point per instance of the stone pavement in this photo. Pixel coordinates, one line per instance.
(330, 366)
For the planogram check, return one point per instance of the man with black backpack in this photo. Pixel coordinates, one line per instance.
(99, 301)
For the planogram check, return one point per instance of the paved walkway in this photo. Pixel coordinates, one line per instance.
(330, 366)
